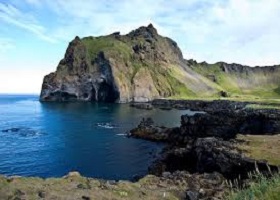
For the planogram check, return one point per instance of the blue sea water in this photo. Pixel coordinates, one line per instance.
(52, 139)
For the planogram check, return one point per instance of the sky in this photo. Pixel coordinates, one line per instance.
(34, 34)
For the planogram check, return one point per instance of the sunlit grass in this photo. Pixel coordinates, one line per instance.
(260, 188)
(262, 106)
(261, 147)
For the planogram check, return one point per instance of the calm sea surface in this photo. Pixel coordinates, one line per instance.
(51, 139)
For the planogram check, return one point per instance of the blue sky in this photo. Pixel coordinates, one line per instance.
(34, 34)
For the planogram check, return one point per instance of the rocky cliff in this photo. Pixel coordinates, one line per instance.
(142, 66)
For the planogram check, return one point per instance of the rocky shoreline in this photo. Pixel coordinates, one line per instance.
(205, 142)
(176, 185)
(200, 157)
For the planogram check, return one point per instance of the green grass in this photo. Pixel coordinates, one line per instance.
(179, 89)
(108, 44)
(136, 67)
(242, 85)
(277, 90)
(263, 106)
(260, 188)
(172, 81)
(261, 147)
(222, 79)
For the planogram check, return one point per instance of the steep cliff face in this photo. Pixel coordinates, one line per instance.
(142, 66)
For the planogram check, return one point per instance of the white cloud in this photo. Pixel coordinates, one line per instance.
(21, 81)
(233, 31)
(11, 15)
(241, 31)
(211, 30)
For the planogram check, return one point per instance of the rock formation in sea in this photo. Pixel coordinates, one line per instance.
(143, 65)
(207, 142)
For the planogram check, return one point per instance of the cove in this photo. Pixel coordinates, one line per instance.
(52, 139)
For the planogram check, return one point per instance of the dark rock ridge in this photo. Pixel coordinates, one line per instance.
(224, 124)
(142, 66)
(206, 142)
(199, 105)
(209, 155)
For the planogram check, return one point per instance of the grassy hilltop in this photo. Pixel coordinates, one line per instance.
(143, 65)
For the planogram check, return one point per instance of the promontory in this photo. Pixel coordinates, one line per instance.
(143, 65)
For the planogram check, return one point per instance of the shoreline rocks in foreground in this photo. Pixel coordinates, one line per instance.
(206, 142)
(176, 185)
(200, 156)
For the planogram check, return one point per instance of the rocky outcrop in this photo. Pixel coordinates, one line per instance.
(135, 67)
(210, 155)
(149, 131)
(205, 142)
(176, 185)
(225, 124)
(74, 81)
(199, 105)
(142, 66)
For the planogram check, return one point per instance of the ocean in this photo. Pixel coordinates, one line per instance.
(51, 139)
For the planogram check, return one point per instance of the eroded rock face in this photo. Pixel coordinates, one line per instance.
(206, 142)
(114, 68)
(149, 131)
(227, 123)
(74, 79)
(142, 66)
(209, 155)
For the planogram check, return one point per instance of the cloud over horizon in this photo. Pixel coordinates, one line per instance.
(240, 31)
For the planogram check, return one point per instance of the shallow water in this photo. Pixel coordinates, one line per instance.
(51, 139)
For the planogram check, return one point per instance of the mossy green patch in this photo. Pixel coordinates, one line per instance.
(108, 44)
(179, 89)
(277, 90)
(223, 80)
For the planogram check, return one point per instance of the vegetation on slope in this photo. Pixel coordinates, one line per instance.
(260, 188)
(95, 45)
(264, 106)
(166, 82)
(162, 60)
(261, 147)
(75, 186)
(243, 83)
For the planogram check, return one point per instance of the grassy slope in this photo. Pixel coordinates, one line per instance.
(223, 80)
(239, 85)
(261, 188)
(264, 106)
(174, 83)
(262, 147)
(165, 81)
(95, 45)
(78, 187)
